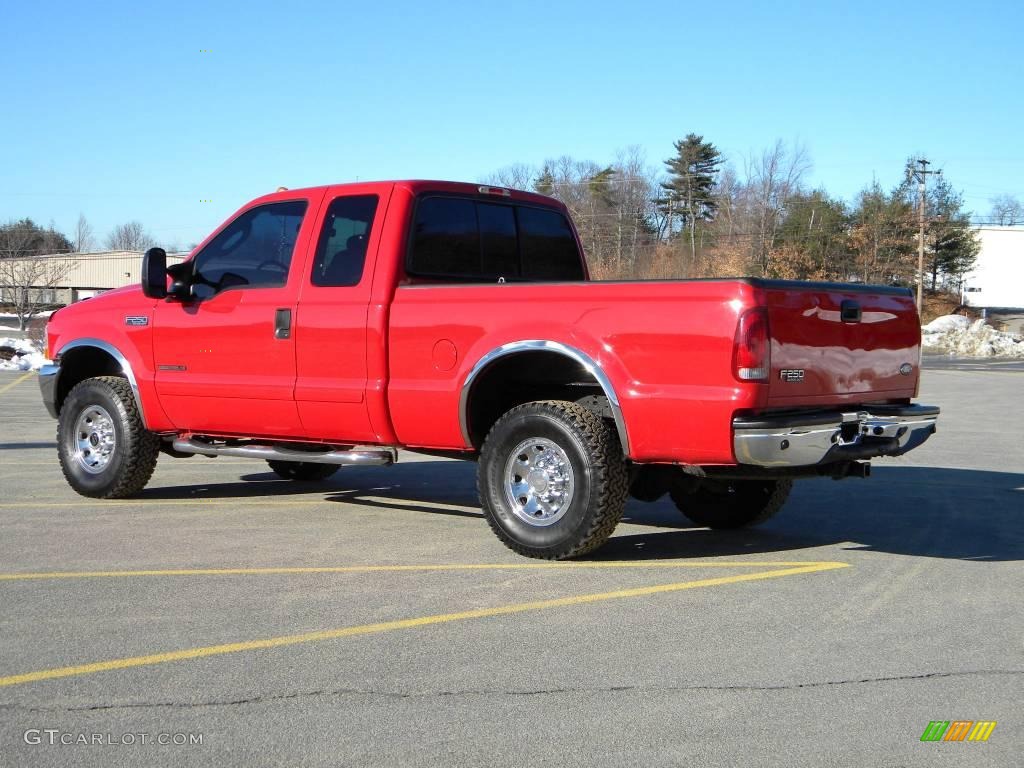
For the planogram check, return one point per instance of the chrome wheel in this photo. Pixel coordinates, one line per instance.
(539, 482)
(95, 439)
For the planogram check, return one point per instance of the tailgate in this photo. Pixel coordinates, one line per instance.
(838, 343)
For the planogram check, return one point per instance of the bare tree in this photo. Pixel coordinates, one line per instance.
(635, 208)
(1007, 211)
(773, 177)
(82, 236)
(518, 176)
(131, 236)
(29, 270)
(612, 205)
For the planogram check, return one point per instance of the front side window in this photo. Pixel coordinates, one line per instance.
(463, 239)
(341, 252)
(253, 251)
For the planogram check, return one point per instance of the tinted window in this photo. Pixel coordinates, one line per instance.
(341, 251)
(445, 239)
(547, 246)
(461, 238)
(255, 250)
(499, 252)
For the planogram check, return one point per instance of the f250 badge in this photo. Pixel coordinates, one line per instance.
(136, 320)
(792, 375)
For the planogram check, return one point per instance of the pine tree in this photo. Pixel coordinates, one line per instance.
(882, 236)
(954, 246)
(545, 183)
(689, 192)
(814, 236)
(951, 246)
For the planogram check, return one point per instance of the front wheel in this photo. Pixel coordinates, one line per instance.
(552, 480)
(303, 470)
(104, 448)
(731, 503)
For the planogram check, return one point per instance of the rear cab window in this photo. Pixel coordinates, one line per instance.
(459, 239)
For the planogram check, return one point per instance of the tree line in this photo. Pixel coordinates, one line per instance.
(24, 237)
(699, 216)
(35, 259)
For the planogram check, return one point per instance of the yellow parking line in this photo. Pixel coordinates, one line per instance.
(16, 382)
(389, 626)
(143, 501)
(284, 571)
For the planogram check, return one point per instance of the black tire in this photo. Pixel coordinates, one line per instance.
(126, 467)
(303, 470)
(599, 481)
(731, 503)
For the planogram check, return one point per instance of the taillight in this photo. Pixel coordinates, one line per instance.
(751, 359)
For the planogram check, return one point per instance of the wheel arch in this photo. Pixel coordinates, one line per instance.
(475, 423)
(82, 359)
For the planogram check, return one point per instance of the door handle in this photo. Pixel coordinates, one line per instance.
(282, 323)
(849, 311)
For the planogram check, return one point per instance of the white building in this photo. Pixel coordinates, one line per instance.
(84, 275)
(998, 276)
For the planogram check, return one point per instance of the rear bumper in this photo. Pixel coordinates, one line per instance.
(48, 376)
(823, 437)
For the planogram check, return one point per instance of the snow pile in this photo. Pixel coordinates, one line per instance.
(957, 335)
(947, 323)
(20, 355)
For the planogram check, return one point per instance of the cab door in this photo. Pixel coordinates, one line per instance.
(331, 328)
(225, 361)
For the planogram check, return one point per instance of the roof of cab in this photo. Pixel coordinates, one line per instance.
(420, 186)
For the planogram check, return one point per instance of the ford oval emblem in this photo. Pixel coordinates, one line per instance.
(906, 369)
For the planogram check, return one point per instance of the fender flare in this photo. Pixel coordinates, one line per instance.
(543, 345)
(119, 358)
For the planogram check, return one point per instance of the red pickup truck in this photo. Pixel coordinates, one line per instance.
(333, 325)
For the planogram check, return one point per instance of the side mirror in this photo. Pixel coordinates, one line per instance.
(154, 273)
(180, 288)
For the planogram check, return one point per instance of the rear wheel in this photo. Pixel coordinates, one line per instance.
(552, 480)
(303, 470)
(731, 503)
(104, 448)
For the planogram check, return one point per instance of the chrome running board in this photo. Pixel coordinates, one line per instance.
(364, 457)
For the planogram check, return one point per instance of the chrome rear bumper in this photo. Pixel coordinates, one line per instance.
(823, 437)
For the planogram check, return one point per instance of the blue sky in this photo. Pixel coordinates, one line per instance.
(112, 110)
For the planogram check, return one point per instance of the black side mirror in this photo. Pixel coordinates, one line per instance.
(180, 288)
(154, 273)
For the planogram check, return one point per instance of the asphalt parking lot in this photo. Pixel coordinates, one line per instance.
(339, 624)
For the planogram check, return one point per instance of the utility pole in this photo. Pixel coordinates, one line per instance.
(920, 173)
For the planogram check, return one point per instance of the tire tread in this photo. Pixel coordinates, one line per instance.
(608, 469)
(140, 460)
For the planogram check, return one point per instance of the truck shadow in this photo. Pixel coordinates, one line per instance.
(958, 514)
(920, 511)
